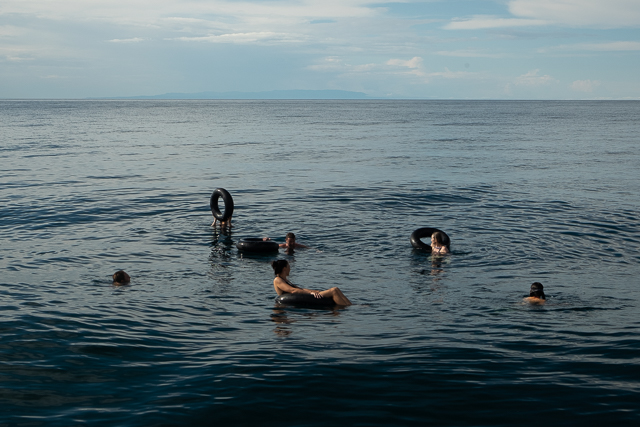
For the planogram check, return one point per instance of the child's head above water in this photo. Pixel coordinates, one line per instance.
(438, 238)
(120, 277)
(536, 290)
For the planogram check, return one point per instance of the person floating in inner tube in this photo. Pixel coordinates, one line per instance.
(536, 294)
(437, 244)
(120, 278)
(282, 285)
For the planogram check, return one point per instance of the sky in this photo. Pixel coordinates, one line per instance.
(435, 49)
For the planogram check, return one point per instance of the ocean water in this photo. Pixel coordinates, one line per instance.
(528, 191)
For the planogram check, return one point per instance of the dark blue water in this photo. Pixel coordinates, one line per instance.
(528, 191)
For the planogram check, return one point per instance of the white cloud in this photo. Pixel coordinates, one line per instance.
(580, 13)
(414, 65)
(469, 54)
(328, 64)
(245, 38)
(338, 65)
(585, 85)
(448, 74)
(414, 62)
(481, 22)
(416, 68)
(147, 12)
(12, 58)
(133, 40)
(572, 13)
(618, 46)
(533, 79)
(352, 22)
(407, 68)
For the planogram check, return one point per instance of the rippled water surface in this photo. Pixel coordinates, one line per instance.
(528, 191)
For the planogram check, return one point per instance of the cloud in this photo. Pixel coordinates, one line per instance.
(414, 65)
(414, 62)
(133, 40)
(12, 58)
(416, 68)
(148, 12)
(585, 85)
(243, 38)
(469, 54)
(448, 74)
(412, 68)
(580, 13)
(618, 46)
(481, 22)
(533, 79)
(328, 64)
(572, 13)
(334, 64)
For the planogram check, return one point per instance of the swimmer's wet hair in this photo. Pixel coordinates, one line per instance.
(290, 235)
(279, 265)
(438, 237)
(119, 276)
(537, 290)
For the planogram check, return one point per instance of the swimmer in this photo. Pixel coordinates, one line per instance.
(290, 242)
(437, 244)
(282, 285)
(536, 294)
(120, 278)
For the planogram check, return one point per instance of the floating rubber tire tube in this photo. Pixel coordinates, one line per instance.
(426, 232)
(228, 204)
(256, 244)
(304, 300)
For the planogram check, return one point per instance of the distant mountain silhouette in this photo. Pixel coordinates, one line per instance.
(273, 94)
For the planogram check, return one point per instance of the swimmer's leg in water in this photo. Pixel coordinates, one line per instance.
(337, 295)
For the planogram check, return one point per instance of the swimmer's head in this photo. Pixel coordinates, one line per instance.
(438, 238)
(279, 265)
(121, 277)
(537, 290)
(290, 237)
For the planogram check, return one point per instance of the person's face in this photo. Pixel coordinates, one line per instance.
(291, 242)
(286, 270)
(433, 241)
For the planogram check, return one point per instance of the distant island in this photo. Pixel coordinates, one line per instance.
(273, 94)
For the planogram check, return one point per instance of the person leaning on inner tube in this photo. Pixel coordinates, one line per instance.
(282, 285)
(290, 242)
(437, 243)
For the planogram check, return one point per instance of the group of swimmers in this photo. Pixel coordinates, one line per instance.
(282, 269)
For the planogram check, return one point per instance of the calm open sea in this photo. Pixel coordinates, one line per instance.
(528, 191)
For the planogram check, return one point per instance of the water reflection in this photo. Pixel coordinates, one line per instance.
(436, 266)
(281, 319)
(220, 257)
(280, 316)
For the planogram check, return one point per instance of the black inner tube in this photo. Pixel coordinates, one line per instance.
(304, 300)
(427, 232)
(228, 204)
(256, 244)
